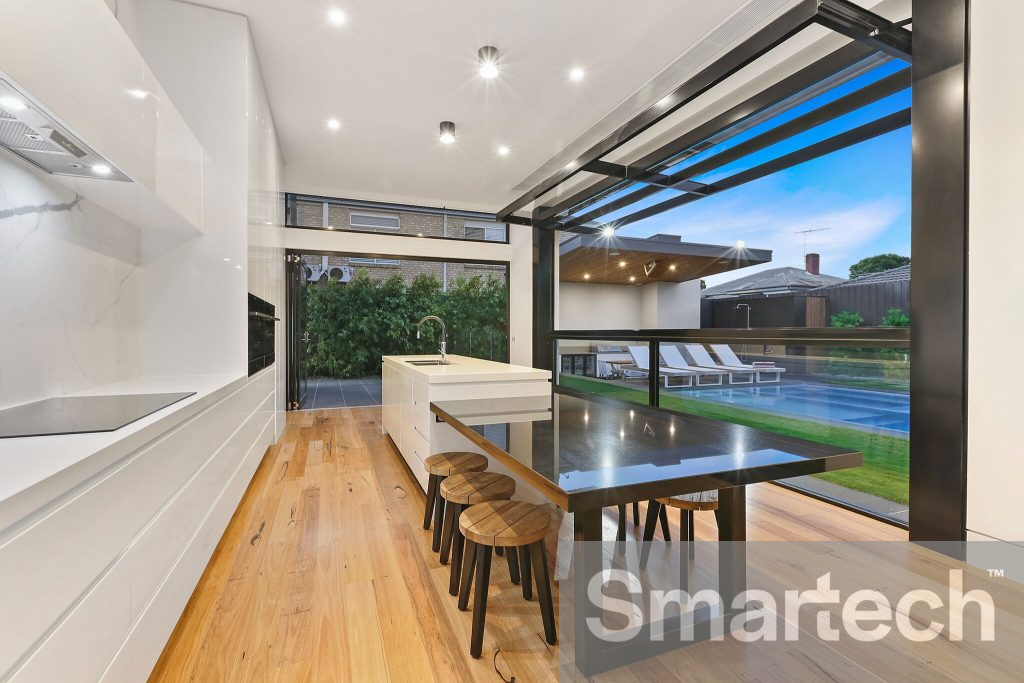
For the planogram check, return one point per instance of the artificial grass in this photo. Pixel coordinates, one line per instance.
(885, 472)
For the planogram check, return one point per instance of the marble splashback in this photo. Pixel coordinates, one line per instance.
(70, 302)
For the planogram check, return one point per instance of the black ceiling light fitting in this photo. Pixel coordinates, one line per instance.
(488, 58)
(447, 132)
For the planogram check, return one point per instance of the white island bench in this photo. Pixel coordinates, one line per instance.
(408, 390)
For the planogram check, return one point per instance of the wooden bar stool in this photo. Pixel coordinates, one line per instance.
(440, 466)
(512, 524)
(459, 492)
(686, 504)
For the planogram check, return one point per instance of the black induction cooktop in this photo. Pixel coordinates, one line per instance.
(82, 414)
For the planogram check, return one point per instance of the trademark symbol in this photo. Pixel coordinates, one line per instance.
(996, 573)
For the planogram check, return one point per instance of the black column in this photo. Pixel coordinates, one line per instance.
(543, 298)
(938, 304)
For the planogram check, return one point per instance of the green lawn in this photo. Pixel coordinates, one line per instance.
(886, 458)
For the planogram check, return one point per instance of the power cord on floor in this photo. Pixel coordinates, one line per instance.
(512, 678)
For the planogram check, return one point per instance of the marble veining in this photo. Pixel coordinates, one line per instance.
(69, 271)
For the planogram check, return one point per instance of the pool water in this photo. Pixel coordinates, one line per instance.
(860, 408)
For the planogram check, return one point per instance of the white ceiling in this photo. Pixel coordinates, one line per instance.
(399, 67)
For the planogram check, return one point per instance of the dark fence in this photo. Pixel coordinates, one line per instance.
(871, 301)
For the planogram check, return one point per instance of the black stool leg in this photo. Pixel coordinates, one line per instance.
(538, 553)
(620, 535)
(636, 513)
(499, 551)
(524, 558)
(451, 518)
(431, 494)
(438, 520)
(663, 515)
(513, 565)
(483, 575)
(691, 535)
(458, 543)
(653, 508)
(466, 582)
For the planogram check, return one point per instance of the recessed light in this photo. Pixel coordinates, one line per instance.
(447, 132)
(101, 169)
(138, 93)
(503, 151)
(608, 231)
(336, 16)
(632, 278)
(586, 276)
(672, 266)
(576, 74)
(226, 259)
(12, 104)
(740, 244)
(488, 58)
(622, 264)
(333, 124)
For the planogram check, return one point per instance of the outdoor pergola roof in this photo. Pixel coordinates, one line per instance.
(614, 260)
(629, 191)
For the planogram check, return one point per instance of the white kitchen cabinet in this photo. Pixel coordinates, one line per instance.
(408, 390)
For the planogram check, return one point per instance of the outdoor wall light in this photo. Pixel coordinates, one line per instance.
(488, 57)
(447, 132)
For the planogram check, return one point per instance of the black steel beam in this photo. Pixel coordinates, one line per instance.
(853, 21)
(888, 337)
(637, 175)
(878, 127)
(771, 36)
(833, 63)
(828, 112)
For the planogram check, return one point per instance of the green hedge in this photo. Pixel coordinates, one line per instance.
(352, 325)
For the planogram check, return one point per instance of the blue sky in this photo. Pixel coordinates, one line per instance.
(861, 193)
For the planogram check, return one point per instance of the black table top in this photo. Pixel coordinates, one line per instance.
(593, 452)
(82, 414)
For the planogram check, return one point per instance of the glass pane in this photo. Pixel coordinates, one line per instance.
(852, 397)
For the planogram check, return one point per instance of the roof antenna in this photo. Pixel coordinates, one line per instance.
(806, 232)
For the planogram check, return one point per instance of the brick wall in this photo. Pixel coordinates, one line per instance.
(311, 215)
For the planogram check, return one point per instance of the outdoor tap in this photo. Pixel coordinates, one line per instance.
(443, 349)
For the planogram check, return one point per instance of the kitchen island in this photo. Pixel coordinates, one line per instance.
(411, 383)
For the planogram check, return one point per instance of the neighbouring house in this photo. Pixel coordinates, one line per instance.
(777, 297)
(871, 295)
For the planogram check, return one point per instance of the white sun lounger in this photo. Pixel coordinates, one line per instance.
(729, 358)
(642, 361)
(673, 359)
(703, 359)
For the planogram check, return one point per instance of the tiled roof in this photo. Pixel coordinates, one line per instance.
(773, 281)
(892, 275)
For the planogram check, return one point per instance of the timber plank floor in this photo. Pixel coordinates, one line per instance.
(325, 574)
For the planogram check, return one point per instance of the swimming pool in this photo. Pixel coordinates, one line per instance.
(871, 410)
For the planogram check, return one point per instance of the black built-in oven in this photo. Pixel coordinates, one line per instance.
(261, 334)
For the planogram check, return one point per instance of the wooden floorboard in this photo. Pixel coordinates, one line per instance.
(325, 574)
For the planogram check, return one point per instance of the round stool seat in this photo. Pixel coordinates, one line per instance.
(456, 462)
(702, 500)
(505, 523)
(477, 487)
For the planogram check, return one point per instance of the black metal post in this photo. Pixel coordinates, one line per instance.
(654, 376)
(938, 300)
(543, 299)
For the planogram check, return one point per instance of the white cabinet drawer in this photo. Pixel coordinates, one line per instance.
(421, 423)
(421, 395)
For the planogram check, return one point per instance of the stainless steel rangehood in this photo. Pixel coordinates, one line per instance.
(33, 135)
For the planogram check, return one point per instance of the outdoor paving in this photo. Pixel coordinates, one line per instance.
(325, 392)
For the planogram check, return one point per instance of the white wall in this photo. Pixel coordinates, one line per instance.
(518, 252)
(70, 281)
(659, 305)
(995, 466)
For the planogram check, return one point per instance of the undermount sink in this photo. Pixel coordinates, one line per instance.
(428, 362)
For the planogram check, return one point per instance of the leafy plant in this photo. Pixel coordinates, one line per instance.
(877, 263)
(847, 319)
(352, 325)
(895, 317)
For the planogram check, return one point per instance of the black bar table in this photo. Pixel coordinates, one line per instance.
(586, 453)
